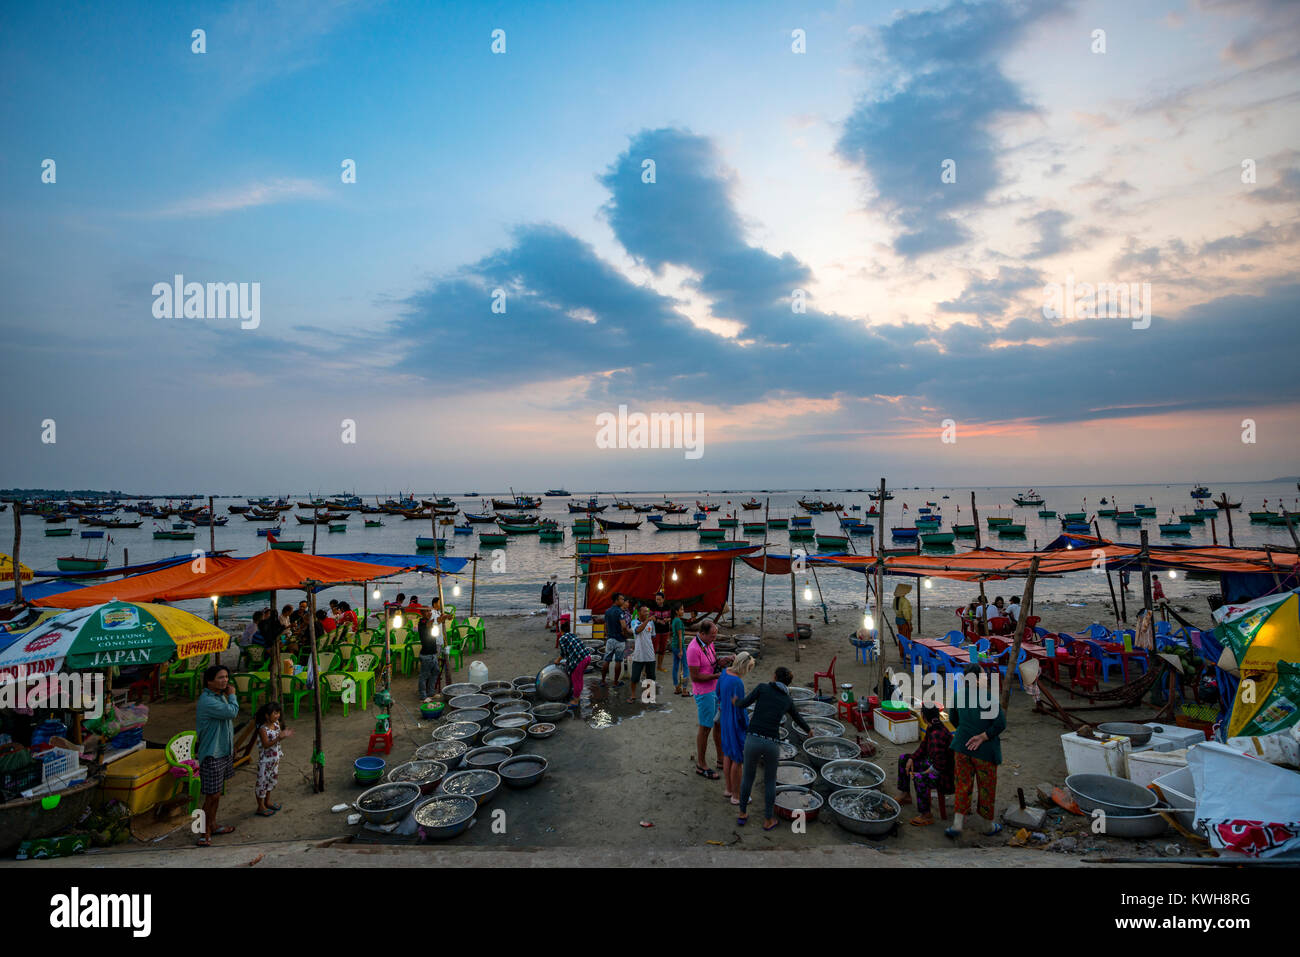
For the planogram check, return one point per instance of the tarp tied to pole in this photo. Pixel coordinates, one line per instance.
(277, 570)
(147, 587)
(698, 580)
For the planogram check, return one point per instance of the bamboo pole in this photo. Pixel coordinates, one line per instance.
(1289, 518)
(1146, 580)
(212, 528)
(762, 585)
(318, 755)
(975, 513)
(1026, 599)
(473, 588)
(274, 651)
(794, 611)
(18, 542)
(315, 524)
(1224, 504)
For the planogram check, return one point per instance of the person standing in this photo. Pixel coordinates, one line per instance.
(643, 655)
(702, 659)
(733, 721)
(430, 657)
(903, 611)
(574, 658)
(214, 749)
(978, 754)
(771, 703)
(615, 640)
(1157, 590)
(551, 599)
(677, 642)
(663, 615)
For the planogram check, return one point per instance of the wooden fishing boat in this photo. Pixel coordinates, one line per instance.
(613, 526)
(463, 529)
(323, 519)
(1128, 521)
(666, 526)
(825, 542)
(1075, 527)
(373, 523)
(492, 538)
(589, 507)
(1028, 498)
(263, 532)
(1107, 512)
(937, 538)
(479, 519)
(754, 528)
(1207, 512)
(1011, 531)
(442, 502)
(519, 501)
(732, 543)
(712, 534)
(1200, 492)
(875, 496)
(863, 529)
(905, 534)
(93, 533)
(516, 519)
(1259, 518)
(1281, 519)
(707, 507)
(551, 535)
(802, 534)
(781, 523)
(1075, 516)
(557, 493)
(799, 521)
(1047, 513)
(424, 543)
(592, 546)
(118, 523)
(238, 509)
(339, 527)
(1191, 518)
(71, 563)
(670, 509)
(846, 522)
(964, 531)
(583, 526)
(752, 505)
(1175, 528)
(58, 532)
(1146, 511)
(510, 529)
(287, 546)
(925, 522)
(996, 520)
(728, 523)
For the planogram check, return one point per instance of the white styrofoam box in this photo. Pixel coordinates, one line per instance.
(1179, 789)
(1095, 755)
(1178, 737)
(902, 731)
(1144, 767)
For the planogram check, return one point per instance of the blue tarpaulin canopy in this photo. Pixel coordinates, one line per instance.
(420, 562)
(42, 590)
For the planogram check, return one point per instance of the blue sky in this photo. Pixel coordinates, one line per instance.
(775, 171)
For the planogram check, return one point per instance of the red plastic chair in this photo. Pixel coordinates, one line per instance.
(828, 673)
(1084, 675)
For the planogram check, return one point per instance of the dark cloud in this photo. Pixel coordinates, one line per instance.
(1051, 238)
(1285, 188)
(947, 93)
(992, 297)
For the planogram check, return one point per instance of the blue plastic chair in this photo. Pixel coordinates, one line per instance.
(944, 662)
(864, 651)
(1162, 628)
(908, 649)
(982, 646)
(954, 637)
(1097, 632)
(1106, 659)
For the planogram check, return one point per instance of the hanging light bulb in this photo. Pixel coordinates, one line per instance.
(600, 585)
(1172, 573)
(929, 583)
(433, 629)
(699, 569)
(674, 574)
(807, 591)
(397, 620)
(376, 594)
(455, 591)
(868, 622)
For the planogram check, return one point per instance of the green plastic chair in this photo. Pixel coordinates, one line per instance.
(248, 688)
(333, 686)
(179, 750)
(327, 661)
(479, 631)
(293, 688)
(253, 657)
(457, 638)
(185, 675)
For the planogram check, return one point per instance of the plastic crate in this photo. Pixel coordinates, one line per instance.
(59, 762)
(13, 783)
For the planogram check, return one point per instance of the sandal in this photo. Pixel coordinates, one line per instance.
(919, 821)
(768, 827)
(709, 773)
(735, 800)
(994, 830)
(223, 829)
(274, 807)
(267, 813)
(204, 842)
(740, 821)
(951, 833)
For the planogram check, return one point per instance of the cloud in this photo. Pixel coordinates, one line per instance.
(992, 297)
(1285, 188)
(946, 91)
(1051, 239)
(247, 196)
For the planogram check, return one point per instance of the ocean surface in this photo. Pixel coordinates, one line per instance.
(526, 563)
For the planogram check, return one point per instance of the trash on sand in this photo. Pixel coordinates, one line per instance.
(255, 860)
(646, 824)
(340, 807)
(354, 818)
(716, 843)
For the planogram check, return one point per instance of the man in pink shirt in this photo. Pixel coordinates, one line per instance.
(705, 670)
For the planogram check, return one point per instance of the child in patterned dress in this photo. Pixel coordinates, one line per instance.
(269, 737)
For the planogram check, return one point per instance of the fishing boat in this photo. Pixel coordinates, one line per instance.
(551, 534)
(611, 526)
(287, 546)
(441, 502)
(325, 518)
(58, 532)
(799, 521)
(732, 543)
(519, 529)
(671, 509)
(424, 543)
(781, 523)
(712, 534)
(996, 520)
(1281, 519)
(1011, 531)
(118, 523)
(1128, 521)
(1075, 527)
(459, 529)
(515, 519)
(263, 532)
(905, 534)
(1259, 518)
(928, 521)
(665, 526)
(588, 507)
(754, 528)
(846, 522)
(492, 538)
(519, 501)
(1191, 518)
(592, 546)
(1146, 511)
(479, 519)
(175, 536)
(1207, 512)
(964, 531)
(937, 538)
(1107, 512)
(1047, 513)
(1076, 517)
(643, 509)
(557, 493)
(1175, 528)
(728, 523)
(802, 534)
(825, 542)
(875, 496)
(92, 533)
(751, 505)
(700, 516)
(238, 509)
(1200, 492)
(339, 527)
(373, 523)
(1028, 498)
(863, 529)
(71, 563)
(583, 526)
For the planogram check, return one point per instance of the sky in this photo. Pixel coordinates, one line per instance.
(826, 232)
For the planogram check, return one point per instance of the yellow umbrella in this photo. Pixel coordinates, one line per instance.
(7, 570)
(1264, 638)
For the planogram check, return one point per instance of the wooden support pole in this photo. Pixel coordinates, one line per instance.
(473, 590)
(212, 528)
(1145, 565)
(315, 524)
(794, 612)
(17, 506)
(1288, 517)
(975, 514)
(274, 651)
(318, 766)
(762, 585)
(1025, 601)
(1224, 504)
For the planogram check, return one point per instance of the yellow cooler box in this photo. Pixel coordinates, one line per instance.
(140, 780)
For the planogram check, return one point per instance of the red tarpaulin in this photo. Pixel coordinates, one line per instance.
(698, 580)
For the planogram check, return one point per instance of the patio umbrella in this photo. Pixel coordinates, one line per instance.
(1263, 637)
(115, 633)
(7, 569)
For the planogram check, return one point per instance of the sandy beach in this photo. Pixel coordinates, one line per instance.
(615, 767)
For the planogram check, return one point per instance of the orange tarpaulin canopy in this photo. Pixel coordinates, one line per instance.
(278, 570)
(699, 580)
(138, 588)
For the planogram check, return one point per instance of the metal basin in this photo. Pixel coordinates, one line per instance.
(801, 694)
(486, 758)
(458, 731)
(820, 727)
(510, 738)
(465, 701)
(520, 719)
(511, 707)
(790, 798)
(477, 783)
(1138, 734)
(825, 748)
(794, 773)
(492, 687)
(815, 709)
(522, 680)
(427, 775)
(788, 751)
(553, 683)
(503, 697)
(463, 687)
(387, 803)
(1137, 825)
(450, 753)
(523, 770)
(1115, 796)
(477, 715)
(444, 817)
(864, 811)
(551, 712)
(851, 773)
(543, 729)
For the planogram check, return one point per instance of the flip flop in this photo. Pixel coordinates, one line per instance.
(223, 829)
(951, 833)
(709, 773)
(204, 842)
(768, 827)
(995, 829)
(740, 821)
(920, 822)
(274, 807)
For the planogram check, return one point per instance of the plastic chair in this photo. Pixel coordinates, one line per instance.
(252, 657)
(907, 649)
(944, 662)
(293, 688)
(345, 651)
(1097, 632)
(1106, 659)
(982, 646)
(863, 651)
(457, 639)
(334, 688)
(955, 637)
(248, 687)
(828, 673)
(1084, 675)
(185, 675)
(327, 661)
(184, 766)
(146, 685)
(478, 629)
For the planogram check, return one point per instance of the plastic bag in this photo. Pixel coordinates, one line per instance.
(1245, 804)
